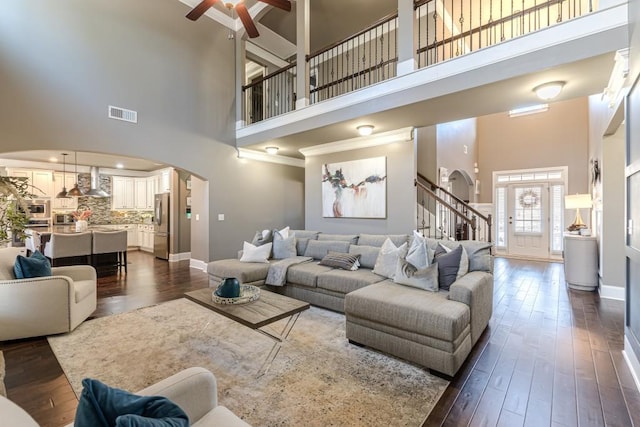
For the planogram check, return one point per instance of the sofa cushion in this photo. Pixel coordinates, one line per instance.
(378, 239)
(7, 260)
(422, 278)
(306, 274)
(83, 288)
(368, 254)
(409, 309)
(351, 238)
(340, 260)
(220, 416)
(37, 265)
(305, 234)
(243, 271)
(347, 281)
(319, 249)
(388, 258)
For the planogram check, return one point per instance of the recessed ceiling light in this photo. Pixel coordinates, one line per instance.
(53, 159)
(271, 150)
(119, 165)
(365, 130)
(548, 91)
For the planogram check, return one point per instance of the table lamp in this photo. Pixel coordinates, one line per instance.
(577, 202)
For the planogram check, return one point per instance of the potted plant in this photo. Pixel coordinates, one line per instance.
(14, 192)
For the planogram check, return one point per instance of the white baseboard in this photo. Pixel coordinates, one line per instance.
(612, 292)
(196, 263)
(632, 362)
(183, 256)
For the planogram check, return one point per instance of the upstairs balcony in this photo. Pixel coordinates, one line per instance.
(411, 45)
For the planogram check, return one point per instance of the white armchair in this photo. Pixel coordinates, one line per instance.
(44, 305)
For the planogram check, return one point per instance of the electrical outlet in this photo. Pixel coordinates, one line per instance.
(197, 217)
(220, 217)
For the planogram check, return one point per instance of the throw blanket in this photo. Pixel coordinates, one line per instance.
(277, 275)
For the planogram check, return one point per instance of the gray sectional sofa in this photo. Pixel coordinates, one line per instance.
(436, 330)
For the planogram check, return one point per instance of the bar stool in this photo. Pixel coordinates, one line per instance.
(106, 242)
(63, 245)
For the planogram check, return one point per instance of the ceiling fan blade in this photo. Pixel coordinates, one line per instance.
(280, 4)
(200, 9)
(244, 16)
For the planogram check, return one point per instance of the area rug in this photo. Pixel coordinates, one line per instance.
(317, 379)
(3, 390)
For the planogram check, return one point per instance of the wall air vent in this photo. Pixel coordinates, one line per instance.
(123, 114)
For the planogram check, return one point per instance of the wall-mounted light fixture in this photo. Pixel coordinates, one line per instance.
(548, 91)
(365, 130)
(272, 150)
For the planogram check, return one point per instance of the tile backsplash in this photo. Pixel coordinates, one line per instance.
(101, 207)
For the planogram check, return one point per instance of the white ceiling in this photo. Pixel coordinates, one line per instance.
(84, 159)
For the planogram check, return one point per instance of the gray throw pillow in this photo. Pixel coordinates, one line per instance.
(340, 260)
(284, 248)
(425, 278)
(448, 266)
(262, 238)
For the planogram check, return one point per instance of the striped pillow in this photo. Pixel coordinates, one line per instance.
(341, 260)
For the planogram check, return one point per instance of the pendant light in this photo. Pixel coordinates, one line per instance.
(63, 193)
(75, 191)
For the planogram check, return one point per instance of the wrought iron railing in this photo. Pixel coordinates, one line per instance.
(442, 215)
(367, 57)
(443, 29)
(270, 96)
(450, 28)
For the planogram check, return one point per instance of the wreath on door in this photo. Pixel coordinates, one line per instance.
(529, 199)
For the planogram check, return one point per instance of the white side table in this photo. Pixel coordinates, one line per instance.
(581, 262)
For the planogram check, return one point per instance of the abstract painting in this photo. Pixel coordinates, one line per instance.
(355, 189)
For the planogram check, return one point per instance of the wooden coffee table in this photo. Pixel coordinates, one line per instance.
(269, 308)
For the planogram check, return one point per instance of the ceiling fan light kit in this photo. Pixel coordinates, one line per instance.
(240, 9)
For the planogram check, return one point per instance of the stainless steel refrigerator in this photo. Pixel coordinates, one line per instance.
(161, 228)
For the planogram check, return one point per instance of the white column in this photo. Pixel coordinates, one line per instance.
(302, 44)
(406, 49)
(240, 55)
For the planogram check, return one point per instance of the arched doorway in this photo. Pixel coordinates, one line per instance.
(461, 185)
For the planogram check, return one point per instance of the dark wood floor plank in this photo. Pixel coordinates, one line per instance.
(551, 356)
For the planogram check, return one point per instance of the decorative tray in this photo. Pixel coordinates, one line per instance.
(248, 293)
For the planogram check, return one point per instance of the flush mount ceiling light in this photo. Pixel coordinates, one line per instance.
(271, 150)
(365, 130)
(548, 91)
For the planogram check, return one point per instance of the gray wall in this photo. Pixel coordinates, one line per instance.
(400, 191)
(558, 137)
(452, 138)
(61, 67)
(428, 152)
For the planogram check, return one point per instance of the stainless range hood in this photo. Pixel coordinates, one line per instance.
(95, 184)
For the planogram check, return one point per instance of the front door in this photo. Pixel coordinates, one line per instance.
(528, 220)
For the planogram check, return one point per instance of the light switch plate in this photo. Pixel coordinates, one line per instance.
(220, 217)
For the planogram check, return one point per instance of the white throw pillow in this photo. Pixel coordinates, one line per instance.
(419, 255)
(284, 233)
(387, 261)
(252, 253)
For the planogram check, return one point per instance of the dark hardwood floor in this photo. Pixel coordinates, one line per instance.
(550, 357)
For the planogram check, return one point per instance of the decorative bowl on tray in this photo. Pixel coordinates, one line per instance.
(248, 293)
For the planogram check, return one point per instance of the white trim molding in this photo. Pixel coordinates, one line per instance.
(198, 264)
(632, 362)
(611, 292)
(244, 153)
(398, 135)
(179, 257)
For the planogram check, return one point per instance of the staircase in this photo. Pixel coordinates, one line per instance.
(442, 215)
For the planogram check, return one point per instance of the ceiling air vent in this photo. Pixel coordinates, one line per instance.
(123, 114)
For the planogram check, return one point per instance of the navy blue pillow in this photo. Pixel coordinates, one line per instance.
(37, 265)
(104, 406)
(448, 265)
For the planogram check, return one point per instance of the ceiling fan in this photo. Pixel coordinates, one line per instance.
(240, 9)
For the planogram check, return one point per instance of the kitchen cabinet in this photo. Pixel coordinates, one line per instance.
(141, 194)
(123, 193)
(145, 237)
(60, 181)
(40, 180)
(152, 189)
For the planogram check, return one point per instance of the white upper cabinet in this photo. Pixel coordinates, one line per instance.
(40, 180)
(67, 181)
(123, 193)
(141, 194)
